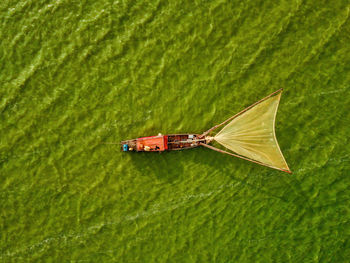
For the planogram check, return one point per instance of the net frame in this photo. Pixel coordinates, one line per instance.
(278, 92)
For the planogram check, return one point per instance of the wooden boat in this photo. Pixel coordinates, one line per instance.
(249, 135)
(161, 143)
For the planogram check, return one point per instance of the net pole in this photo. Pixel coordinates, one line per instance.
(241, 157)
(239, 113)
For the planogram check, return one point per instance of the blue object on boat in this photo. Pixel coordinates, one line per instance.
(125, 147)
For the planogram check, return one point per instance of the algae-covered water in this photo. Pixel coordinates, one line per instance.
(76, 76)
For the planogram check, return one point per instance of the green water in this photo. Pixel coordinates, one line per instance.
(77, 74)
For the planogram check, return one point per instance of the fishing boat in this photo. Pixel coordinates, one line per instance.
(249, 135)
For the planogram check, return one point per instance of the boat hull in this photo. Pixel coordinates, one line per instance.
(161, 143)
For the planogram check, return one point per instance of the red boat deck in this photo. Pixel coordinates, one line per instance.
(152, 143)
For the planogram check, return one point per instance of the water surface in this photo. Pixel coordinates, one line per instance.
(75, 75)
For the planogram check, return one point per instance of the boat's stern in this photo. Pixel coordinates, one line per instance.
(128, 145)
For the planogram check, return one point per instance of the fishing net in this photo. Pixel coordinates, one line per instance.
(252, 134)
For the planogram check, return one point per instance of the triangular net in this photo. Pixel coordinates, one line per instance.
(252, 134)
